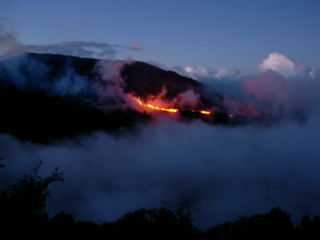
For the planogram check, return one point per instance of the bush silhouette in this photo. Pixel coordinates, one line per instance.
(23, 206)
(25, 202)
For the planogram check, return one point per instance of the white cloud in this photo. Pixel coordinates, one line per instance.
(201, 72)
(77, 48)
(282, 64)
(196, 71)
(226, 73)
(10, 45)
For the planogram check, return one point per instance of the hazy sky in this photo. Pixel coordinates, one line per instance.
(228, 33)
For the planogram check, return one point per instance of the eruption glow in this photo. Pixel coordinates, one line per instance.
(152, 106)
(205, 112)
(161, 106)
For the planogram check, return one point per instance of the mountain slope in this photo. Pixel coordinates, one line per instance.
(38, 117)
(45, 97)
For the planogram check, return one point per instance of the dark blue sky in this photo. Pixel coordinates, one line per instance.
(228, 33)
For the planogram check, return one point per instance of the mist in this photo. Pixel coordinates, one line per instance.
(218, 173)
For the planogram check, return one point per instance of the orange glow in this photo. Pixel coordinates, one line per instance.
(151, 106)
(162, 106)
(205, 112)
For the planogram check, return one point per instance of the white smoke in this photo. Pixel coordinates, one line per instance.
(188, 99)
(204, 73)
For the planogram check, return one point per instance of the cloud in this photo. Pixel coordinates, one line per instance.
(201, 72)
(79, 49)
(174, 164)
(282, 64)
(83, 49)
(226, 73)
(196, 71)
(10, 45)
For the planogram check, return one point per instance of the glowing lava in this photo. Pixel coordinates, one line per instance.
(205, 112)
(151, 106)
(161, 106)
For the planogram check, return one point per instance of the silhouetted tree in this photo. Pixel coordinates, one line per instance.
(23, 206)
(309, 228)
(25, 202)
(274, 225)
(156, 223)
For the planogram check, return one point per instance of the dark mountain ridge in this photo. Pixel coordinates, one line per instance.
(46, 97)
(36, 105)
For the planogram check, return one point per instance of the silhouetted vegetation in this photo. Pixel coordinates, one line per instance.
(25, 202)
(23, 207)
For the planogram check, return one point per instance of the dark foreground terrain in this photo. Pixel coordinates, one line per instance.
(23, 211)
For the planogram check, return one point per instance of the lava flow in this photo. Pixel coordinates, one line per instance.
(163, 107)
(150, 106)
